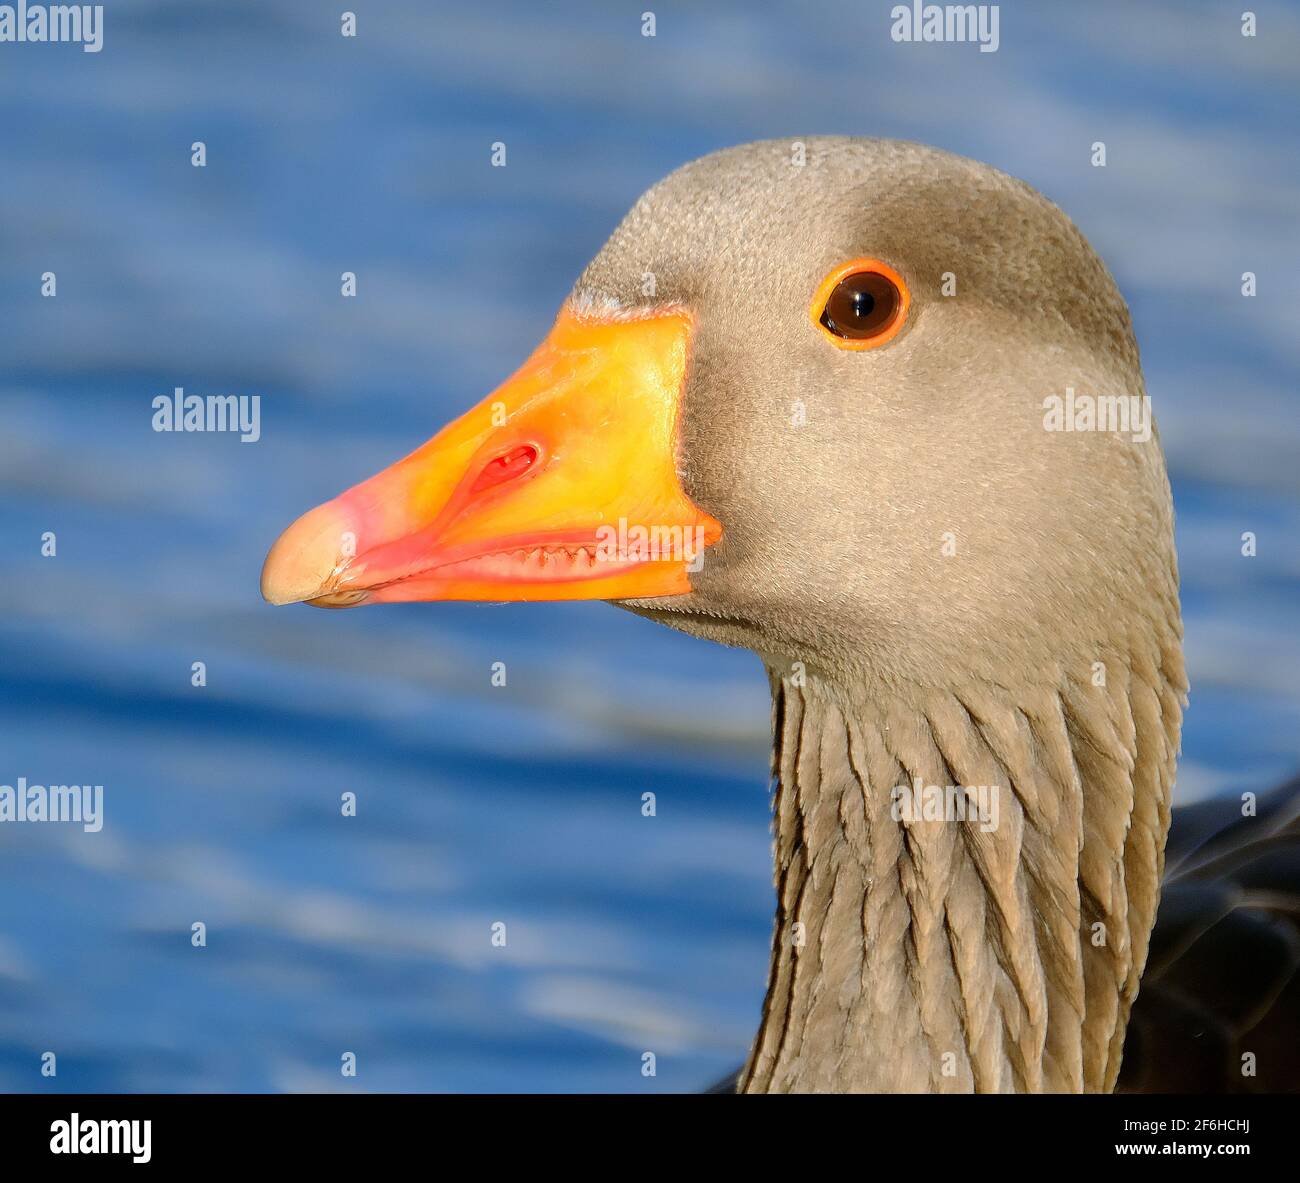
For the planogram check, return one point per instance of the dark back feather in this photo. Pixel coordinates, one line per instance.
(1221, 981)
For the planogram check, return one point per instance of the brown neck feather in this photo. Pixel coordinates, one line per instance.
(919, 955)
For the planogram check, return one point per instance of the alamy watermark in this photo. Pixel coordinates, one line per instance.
(1119, 413)
(82, 23)
(88, 1135)
(946, 22)
(919, 802)
(53, 803)
(209, 412)
(646, 544)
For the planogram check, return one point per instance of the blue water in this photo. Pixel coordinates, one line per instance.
(516, 804)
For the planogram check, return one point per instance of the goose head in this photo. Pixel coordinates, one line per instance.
(819, 400)
(887, 499)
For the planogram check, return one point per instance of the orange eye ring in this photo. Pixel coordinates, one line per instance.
(883, 282)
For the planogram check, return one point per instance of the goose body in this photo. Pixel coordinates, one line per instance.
(1219, 1010)
(820, 378)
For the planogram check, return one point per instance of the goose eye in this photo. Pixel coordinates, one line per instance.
(860, 304)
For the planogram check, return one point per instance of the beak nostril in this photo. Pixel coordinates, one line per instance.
(512, 463)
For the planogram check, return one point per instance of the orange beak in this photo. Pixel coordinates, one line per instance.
(561, 485)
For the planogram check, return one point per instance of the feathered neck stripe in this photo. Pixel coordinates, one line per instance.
(919, 951)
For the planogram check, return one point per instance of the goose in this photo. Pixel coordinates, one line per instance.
(800, 402)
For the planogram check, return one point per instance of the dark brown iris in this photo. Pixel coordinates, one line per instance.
(863, 305)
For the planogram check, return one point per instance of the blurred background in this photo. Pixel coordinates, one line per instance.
(518, 804)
